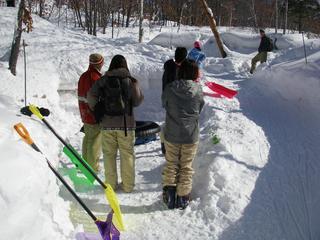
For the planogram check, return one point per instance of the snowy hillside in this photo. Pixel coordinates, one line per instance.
(261, 181)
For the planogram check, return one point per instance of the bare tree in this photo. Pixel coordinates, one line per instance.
(140, 21)
(16, 40)
(277, 17)
(285, 17)
(254, 14)
(213, 26)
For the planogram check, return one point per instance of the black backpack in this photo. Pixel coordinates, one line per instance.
(115, 99)
(117, 96)
(270, 45)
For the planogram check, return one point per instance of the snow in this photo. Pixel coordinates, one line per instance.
(260, 182)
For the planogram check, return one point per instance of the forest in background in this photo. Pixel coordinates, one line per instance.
(92, 15)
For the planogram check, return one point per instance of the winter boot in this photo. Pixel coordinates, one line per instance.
(169, 196)
(182, 201)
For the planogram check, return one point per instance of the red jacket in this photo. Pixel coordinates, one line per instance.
(86, 81)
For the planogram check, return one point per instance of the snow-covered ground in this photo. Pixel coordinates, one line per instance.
(261, 181)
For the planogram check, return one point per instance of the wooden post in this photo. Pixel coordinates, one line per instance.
(213, 26)
(140, 22)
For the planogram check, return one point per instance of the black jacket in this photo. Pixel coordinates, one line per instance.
(170, 73)
(264, 44)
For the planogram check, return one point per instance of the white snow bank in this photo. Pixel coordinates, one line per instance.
(237, 41)
(29, 201)
(175, 39)
(248, 43)
(296, 81)
(283, 100)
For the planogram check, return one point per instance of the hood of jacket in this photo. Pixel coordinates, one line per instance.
(184, 89)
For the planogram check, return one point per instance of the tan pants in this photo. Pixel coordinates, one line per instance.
(178, 169)
(112, 140)
(91, 145)
(260, 57)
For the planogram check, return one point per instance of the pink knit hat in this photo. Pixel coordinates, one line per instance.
(197, 44)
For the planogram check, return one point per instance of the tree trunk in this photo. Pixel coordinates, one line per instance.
(129, 13)
(213, 26)
(86, 7)
(103, 16)
(16, 40)
(140, 22)
(285, 18)
(277, 17)
(181, 15)
(94, 30)
(41, 8)
(254, 15)
(112, 24)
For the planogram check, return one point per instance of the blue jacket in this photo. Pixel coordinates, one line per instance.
(197, 56)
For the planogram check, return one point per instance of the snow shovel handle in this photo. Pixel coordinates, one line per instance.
(36, 111)
(23, 132)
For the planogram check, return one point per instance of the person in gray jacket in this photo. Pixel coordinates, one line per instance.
(183, 102)
(119, 93)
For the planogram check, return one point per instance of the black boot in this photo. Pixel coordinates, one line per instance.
(163, 149)
(182, 201)
(169, 196)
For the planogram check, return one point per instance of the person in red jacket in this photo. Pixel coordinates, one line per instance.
(91, 145)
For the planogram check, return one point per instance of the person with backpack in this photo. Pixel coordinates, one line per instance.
(170, 74)
(197, 55)
(183, 101)
(265, 46)
(119, 93)
(91, 145)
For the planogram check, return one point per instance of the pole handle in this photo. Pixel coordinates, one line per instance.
(23, 132)
(36, 111)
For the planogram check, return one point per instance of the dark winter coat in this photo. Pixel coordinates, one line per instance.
(264, 44)
(170, 72)
(117, 122)
(183, 101)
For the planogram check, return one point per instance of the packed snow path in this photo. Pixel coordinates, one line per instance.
(260, 182)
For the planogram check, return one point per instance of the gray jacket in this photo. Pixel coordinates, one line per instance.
(117, 122)
(183, 101)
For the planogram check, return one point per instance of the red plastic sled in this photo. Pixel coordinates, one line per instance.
(227, 92)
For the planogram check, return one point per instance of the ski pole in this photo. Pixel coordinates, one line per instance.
(25, 72)
(106, 228)
(110, 195)
(304, 47)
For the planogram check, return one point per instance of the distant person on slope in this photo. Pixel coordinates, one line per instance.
(91, 145)
(264, 47)
(119, 92)
(170, 74)
(197, 55)
(183, 101)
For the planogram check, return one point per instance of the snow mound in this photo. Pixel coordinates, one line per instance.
(175, 39)
(29, 201)
(283, 100)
